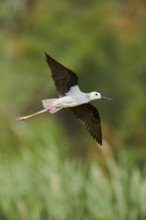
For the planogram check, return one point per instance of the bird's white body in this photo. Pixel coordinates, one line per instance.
(73, 98)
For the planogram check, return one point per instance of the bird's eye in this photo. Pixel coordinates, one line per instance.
(96, 94)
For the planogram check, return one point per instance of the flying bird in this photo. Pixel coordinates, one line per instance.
(70, 96)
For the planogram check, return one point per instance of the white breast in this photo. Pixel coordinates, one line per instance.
(78, 96)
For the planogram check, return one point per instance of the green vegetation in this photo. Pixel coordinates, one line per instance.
(42, 186)
(50, 168)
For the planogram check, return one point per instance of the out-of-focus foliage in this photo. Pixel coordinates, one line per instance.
(53, 189)
(104, 42)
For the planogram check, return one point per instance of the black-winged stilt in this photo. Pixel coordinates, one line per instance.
(70, 96)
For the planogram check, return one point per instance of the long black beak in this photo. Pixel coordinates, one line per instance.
(104, 97)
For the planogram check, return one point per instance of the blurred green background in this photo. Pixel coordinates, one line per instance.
(50, 167)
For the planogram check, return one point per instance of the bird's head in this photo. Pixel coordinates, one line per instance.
(94, 95)
(97, 95)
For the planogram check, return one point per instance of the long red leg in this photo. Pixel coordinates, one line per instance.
(37, 113)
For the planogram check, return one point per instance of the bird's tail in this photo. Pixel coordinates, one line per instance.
(51, 103)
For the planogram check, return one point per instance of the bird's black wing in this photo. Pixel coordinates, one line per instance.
(89, 117)
(63, 78)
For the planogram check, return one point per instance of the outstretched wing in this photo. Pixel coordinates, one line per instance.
(63, 78)
(89, 117)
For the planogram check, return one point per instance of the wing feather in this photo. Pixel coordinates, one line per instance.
(89, 117)
(63, 78)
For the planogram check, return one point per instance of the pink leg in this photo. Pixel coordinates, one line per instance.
(37, 113)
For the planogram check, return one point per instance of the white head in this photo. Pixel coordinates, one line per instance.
(94, 95)
(97, 95)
